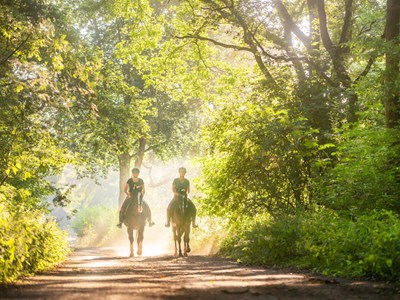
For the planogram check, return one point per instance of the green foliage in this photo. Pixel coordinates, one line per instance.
(246, 240)
(95, 224)
(145, 87)
(133, 76)
(366, 175)
(367, 246)
(35, 90)
(321, 240)
(261, 159)
(29, 242)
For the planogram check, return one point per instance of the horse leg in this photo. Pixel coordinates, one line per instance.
(180, 240)
(130, 234)
(139, 238)
(186, 240)
(174, 234)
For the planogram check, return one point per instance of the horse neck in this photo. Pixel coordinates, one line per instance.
(135, 199)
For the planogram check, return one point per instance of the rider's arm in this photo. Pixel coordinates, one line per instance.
(188, 189)
(126, 189)
(143, 189)
(174, 189)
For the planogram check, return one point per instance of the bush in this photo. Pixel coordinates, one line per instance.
(95, 224)
(369, 246)
(29, 243)
(321, 240)
(247, 240)
(366, 175)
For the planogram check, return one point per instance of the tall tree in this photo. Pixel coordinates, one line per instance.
(141, 107)
(319, 55)
(392, 74)
(310, 57)
(35, 89)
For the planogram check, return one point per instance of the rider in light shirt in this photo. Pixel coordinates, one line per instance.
(181, 185)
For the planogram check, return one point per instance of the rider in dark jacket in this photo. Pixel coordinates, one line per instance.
(134, 187)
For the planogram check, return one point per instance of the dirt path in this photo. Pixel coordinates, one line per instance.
(103, 273)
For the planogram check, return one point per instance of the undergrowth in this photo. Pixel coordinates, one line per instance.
(367, 245)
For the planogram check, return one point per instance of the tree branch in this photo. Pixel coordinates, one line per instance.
(323, 27)
(347, 22)
(15, 50)
(229, 46)
(322, 73)
(368, 67)
(291, 24)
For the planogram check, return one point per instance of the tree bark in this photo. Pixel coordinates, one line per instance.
(392, 101)
(140, 153)
(337, 54)
(124, 160)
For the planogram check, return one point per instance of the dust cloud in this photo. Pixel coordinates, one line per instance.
(100, 197)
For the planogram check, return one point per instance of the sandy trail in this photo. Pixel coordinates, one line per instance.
(107, 273)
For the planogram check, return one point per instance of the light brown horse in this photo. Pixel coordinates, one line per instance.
(181, 216)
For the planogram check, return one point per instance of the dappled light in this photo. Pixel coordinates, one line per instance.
(199, 149)
(102, 273)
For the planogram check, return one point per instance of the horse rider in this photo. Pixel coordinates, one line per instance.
(134, 187)
(181, 187)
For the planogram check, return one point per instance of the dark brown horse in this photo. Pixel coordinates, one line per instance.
(135, 216)
(181, 216)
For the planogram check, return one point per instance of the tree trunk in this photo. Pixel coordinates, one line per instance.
(392, 101)
(124, 160)
(140, 153)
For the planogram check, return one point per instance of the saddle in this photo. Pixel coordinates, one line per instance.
(138, 203)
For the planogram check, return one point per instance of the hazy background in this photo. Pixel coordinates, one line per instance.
(92, 214)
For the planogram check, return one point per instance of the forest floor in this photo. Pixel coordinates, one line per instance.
(107, 273)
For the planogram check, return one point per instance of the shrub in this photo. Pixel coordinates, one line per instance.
(321, 240)
(95, 224)
(366, 175)
(370, 245)
(29, 242)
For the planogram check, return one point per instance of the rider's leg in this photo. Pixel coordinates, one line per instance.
(122, 212)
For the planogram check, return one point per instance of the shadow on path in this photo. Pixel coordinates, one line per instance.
(102, 273)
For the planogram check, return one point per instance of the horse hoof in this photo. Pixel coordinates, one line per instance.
(185, 254)
(188, 250)
(131, 254)
(139, 252)
(180, 254)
